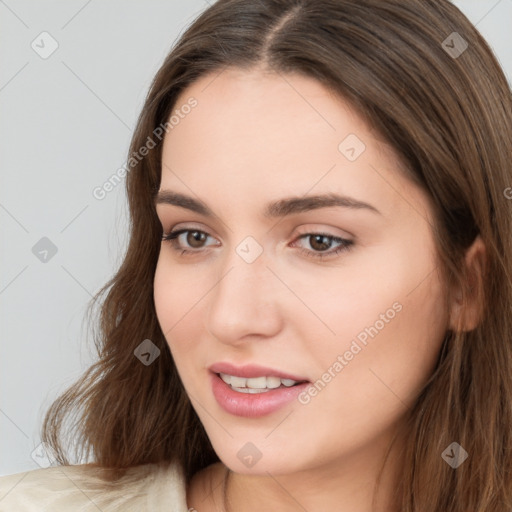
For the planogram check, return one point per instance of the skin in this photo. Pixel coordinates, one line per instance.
(255, 137)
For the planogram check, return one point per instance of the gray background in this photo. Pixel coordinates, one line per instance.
(66, 123)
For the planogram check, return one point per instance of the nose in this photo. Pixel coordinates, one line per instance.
(244, 302)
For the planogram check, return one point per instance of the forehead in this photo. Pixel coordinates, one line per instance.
(269, 107)
(288, 132)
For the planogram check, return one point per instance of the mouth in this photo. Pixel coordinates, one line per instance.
(253, 391)
(255, 385)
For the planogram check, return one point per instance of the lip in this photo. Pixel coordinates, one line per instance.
(252, 370)
(253, 405)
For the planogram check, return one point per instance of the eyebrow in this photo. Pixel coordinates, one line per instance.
(274, 209)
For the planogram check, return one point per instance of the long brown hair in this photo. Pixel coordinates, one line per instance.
(445, 106)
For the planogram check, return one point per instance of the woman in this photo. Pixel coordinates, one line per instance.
(314, 308)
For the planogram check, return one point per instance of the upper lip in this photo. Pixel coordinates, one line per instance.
(252, 370)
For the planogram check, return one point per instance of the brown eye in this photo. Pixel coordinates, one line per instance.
(196, 238)
(320, 242)
(187, 240)
(321, 245)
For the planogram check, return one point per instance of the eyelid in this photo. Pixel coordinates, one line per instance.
(328, 230)
(302, 230)
(345, 244)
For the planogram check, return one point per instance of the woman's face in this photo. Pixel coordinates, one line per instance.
(362, 326)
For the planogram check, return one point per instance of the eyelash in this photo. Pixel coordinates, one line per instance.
(345, 244)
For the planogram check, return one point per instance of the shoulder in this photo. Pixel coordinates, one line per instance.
(87, 488)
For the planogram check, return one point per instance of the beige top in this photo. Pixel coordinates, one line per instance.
(150, 487)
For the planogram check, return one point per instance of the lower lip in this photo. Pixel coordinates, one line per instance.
(253, 405)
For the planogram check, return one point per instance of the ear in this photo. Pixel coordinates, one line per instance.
(466, 316)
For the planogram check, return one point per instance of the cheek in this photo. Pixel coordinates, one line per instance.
(390, 318)
(165, 295)
(390, 333)
(378, 380)
(410, 349)
(177, 295)
(177, 291)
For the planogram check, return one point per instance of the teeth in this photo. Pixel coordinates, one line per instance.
(251, 391)
(238, 382)
(255, 384)
(226, 378)
(273, 382)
